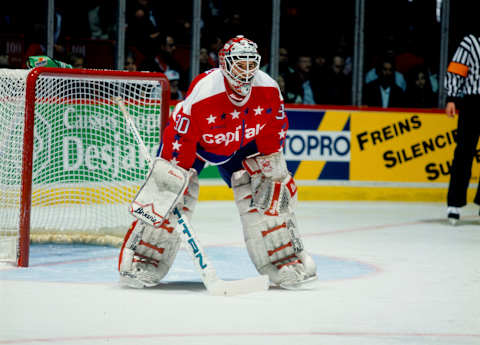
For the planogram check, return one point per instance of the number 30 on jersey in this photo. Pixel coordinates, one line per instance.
(182, 124)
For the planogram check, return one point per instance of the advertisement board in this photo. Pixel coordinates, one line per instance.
(371, 145)
(90, 143)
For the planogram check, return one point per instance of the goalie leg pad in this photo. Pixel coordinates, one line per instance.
(147, 252)
(273, 242)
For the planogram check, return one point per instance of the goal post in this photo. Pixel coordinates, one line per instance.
(69, 167)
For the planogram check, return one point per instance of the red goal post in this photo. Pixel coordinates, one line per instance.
(68, 164)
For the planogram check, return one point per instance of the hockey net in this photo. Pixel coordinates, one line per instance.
(69, 166)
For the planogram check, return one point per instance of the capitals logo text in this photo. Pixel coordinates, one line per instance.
(229, 137)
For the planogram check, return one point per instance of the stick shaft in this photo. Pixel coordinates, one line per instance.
(134, 130)
(193, 246)
(203, 265)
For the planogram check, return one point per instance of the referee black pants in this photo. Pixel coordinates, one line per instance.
(465, 151)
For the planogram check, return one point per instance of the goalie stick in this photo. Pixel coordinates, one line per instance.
(212, 282)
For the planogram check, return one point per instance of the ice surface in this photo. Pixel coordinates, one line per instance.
(389, 273)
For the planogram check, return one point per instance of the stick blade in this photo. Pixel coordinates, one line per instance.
(239, 287)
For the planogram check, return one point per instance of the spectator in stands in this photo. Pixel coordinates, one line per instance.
(300, 81)
(142, 28)
(162, 59)
(206, 62)
(77, 61)
(214, 43)
(233, 24)
(284, 67)
(408, 56)
(174, 78)
(334, 86)
(11, 17)
(4, 61)
(319, 63)
(383, 92)
(419, 92)
(372, 74)
(71, 21)
(318, 74)
(36, 41)
(58, 32)
(288, 97)
(213, 13)
(101, 20)
(182, 27)
(130, 62)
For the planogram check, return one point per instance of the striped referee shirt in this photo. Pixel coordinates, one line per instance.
(463, 73)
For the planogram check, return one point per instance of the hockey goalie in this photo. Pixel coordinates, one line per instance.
(232, 117)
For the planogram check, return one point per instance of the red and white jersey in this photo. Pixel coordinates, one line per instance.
(211, 126)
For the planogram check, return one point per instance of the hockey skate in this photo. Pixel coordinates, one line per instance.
(453, 215)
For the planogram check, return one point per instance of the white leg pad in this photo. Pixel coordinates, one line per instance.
(148, 252)
(273, 242)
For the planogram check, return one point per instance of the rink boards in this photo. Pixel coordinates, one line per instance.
(349, 153)
(334, 154)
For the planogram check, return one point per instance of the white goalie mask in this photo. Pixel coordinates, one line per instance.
(239, 62)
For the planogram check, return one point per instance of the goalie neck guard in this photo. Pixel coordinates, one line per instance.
(239, 62)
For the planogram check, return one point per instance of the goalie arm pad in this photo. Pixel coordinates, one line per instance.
(274, 190)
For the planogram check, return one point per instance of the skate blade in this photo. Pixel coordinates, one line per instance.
(131, 282)
(453, 221)
(307, 284)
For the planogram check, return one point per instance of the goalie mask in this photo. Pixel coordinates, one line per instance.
(239, 62)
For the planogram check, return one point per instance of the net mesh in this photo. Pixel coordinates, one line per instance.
(87, 166)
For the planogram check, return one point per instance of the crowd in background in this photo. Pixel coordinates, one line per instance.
(316, 48)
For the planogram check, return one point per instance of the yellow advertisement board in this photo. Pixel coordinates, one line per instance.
(403, 147)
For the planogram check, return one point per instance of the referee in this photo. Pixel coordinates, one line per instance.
(463, 92)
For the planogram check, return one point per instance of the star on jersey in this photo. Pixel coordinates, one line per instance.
(176, 145)
(235, 114)
(282, 134)
(211, 119)
(258, 111)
